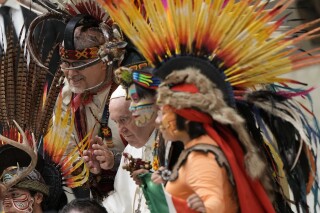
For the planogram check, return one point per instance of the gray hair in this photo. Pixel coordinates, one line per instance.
(88, 37)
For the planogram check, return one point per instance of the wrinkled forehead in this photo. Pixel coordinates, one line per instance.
(119, 107)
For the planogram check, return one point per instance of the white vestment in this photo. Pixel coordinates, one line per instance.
(126, 195)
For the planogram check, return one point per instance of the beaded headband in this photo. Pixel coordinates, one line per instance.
(87, 53)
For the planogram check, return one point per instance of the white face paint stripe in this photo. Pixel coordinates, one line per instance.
(24, 204)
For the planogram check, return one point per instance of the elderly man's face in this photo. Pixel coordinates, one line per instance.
(120, 114)
(80, 80)
(18, 201)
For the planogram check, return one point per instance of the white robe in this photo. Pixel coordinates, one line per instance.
(126, 193)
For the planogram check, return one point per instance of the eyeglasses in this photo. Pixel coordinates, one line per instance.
(68, 64)
(124, 120)
(78, 65)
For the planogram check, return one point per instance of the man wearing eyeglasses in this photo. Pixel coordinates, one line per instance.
(127, 196)
(88, 58)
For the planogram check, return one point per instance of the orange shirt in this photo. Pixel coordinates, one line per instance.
(202, 174)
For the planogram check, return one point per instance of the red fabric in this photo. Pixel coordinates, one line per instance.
(87, 97)
(194, 115)
(251, 194)
(181, 205)
(125, 143)
(78, 100)
(185, 88)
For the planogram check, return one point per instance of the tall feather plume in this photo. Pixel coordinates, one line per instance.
(49, 104)
(39, 93)
(9, 75)
(7, 83)
(2, 91)
(20, 83)
(36, 76)
(21, 88)
(34, 99)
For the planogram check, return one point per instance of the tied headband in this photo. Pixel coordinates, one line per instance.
(87, 53)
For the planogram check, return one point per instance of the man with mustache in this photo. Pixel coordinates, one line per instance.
(88, 86)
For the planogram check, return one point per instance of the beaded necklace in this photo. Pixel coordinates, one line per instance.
(105, 131)
(155, 154)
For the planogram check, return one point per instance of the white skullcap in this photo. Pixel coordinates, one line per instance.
(119, 92)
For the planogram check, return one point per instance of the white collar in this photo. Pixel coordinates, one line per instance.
(98, 99)
(151, 140)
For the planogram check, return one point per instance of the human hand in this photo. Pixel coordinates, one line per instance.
(156, 176)
(91, 162)
(135, 175)
(103, 155)
(195, 203)
(98, 156)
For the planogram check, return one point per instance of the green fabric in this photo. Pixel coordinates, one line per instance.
(154, 194)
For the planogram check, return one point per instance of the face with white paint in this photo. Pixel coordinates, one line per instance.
(144, 110)
(18, 201)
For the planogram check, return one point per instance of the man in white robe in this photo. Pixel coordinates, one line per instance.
(127, 196)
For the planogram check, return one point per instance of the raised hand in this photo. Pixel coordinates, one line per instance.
(103, 155)
(98, 156)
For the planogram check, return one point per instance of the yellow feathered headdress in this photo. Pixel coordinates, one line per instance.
(238, 37)
(241, 46)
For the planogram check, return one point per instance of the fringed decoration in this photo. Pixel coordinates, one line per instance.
(56, 143)
(292, 140)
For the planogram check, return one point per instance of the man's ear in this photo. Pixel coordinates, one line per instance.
(38, 198)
